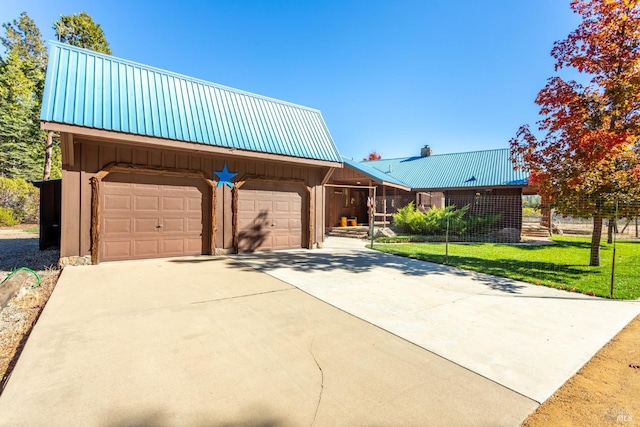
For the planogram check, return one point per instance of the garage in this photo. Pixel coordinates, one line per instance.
(271, 216)
(158, 164)
(151, 216)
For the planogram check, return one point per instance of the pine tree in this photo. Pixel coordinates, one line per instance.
(22, 143)
(18, 154)
(80, 30)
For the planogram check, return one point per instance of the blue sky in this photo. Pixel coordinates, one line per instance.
(387, 75)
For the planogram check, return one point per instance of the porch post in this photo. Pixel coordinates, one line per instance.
(384, 206)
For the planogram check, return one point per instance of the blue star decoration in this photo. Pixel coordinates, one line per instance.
(224, 176)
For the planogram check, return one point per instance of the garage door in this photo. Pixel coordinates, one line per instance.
(270, 216)
(150, 216)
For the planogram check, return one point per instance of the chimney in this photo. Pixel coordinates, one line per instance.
(426, 151)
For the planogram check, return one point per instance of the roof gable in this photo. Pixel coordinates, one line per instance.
(89, 89)
(375, 174)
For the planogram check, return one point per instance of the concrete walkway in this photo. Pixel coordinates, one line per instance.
(209, 341)
(528, 338)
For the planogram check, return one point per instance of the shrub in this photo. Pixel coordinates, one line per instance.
(20, 198)
(6, 217)
(403, 217)
(437, 221)
(482, 224)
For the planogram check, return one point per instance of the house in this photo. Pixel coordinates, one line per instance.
(158, 164)
(484, 180)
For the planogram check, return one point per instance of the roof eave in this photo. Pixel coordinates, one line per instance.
(394, 185)
(150, 141)
(467, 187)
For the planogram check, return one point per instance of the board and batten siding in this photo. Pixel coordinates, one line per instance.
(90, 156)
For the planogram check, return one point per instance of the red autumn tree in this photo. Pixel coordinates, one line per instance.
(587, 163)
(372, 156)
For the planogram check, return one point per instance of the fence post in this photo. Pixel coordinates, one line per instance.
(613, 259)
(446, 240)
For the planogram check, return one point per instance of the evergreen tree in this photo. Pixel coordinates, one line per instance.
(18, 154)
(23, 37)
(22, 73)
(80, 30)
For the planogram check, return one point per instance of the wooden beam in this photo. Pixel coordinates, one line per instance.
(234, 217)
(95, 219)
(214, 218)
(66, 147)
(311, 221)
(384, 206)
(327, 176)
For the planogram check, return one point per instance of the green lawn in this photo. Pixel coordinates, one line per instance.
(563, 265)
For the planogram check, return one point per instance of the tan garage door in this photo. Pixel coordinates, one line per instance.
(150, 216)
(270, 216)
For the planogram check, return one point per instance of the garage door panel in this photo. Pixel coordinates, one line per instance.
(146, 248)
(117, 226)
(173, 203)
(146, 203)
(295, 223)
(193, 225)
(115, 186)
(145, 225)
(245, 206)
(173, 225)
(281, 241)
(264, 205)
(117, 250)
(282, 206)
(280, 226)
(133, 211)
(193, 245)
(117, 202)
(194, 204)
(173, 246)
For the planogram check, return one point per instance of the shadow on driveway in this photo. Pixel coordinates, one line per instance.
(365, 261)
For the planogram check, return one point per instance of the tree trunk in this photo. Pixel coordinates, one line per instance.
(594, 260)
(613, 228)
(48, 151)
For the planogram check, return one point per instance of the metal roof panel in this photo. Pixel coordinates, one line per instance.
(372, 172)
(488, 168)
(89, 89)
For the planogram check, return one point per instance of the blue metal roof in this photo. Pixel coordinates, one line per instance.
(89, 89)
(490, 168)
(375, 174)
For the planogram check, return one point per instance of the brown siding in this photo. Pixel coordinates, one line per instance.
(92, 156)
(70, 209)
(347, 174)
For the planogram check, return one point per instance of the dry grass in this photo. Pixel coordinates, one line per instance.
(17, 319)
(20, 249)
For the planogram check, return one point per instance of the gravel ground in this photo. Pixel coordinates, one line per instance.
(20, 249)
(23, 303)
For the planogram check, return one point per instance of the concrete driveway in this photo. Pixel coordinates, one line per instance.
(528, 338)
(211, 341)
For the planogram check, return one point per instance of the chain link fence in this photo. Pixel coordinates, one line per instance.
(593, 240)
